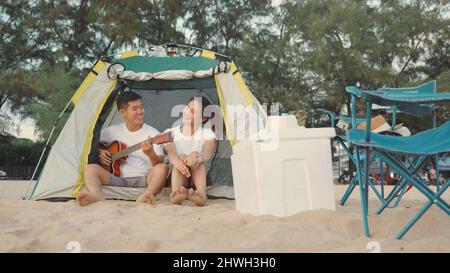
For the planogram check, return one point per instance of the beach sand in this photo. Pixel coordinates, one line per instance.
(116, 226)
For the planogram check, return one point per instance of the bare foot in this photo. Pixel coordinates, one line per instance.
(146, 198)
(197, 197)
(177, 197)
(86, 198)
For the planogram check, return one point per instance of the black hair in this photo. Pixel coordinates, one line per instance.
(205, 103)
(124, 98)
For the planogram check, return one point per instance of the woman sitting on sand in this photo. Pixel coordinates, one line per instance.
(192, 147)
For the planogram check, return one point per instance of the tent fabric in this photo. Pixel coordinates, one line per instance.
(194, 83)
(62, 167)
(87, 82)
(429, 142)
(62, 175)
(118, 70)
(243, 119)
(154, 65)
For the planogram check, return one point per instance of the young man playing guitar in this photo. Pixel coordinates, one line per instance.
(141, 169)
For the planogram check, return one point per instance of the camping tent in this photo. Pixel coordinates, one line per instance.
(163, 82)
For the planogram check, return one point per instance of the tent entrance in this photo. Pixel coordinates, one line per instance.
(164, 102)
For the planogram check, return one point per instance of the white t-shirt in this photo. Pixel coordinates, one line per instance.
(138, 164)
(188, 144)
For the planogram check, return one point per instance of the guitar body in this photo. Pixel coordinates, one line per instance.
(120, 151)
(115, 147)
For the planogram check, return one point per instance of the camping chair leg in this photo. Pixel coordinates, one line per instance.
(405, 189)
(414, 220)
(354, 182)
(377, 193)
(414, 166)
(436, 167)
(367, 179)
(392, 191)
(400, 196)
(349, 191)
(406, 174)
(382, 179)
(421, 212)
(362, 194)
(351, 188)
(434, 198)
(392, 196)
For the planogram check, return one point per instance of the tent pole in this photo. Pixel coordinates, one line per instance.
(55, 123)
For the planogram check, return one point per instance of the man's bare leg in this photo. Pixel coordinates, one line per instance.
(178, 194)
(156, 180)
(199, 178)
(94, 177)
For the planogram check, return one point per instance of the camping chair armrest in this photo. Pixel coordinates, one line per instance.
(330, 115)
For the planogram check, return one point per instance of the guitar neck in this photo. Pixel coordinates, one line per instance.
(129, 150)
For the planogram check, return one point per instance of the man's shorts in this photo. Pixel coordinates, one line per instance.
(130, 182)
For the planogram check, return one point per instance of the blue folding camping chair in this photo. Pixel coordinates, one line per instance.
(342, 141)
(405, 155)
(416, 110)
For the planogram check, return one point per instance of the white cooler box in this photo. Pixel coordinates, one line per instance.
(294, 177)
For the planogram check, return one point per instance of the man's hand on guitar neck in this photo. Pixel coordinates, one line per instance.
(147, 148)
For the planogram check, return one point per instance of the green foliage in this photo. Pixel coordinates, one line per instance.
(221, 25)
(300, 54)
(19, 152)
(55, 85)
(23, 37)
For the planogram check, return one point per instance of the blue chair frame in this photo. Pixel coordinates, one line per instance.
(343, 143)
(412, 100)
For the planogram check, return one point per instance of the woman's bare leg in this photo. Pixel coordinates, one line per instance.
(199, 178)
(178, 194)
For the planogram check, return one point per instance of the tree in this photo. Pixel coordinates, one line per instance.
(55, 86)
(23, 39)
(300, 54)
(19, 152)
(221, 25)
(22, 44)
(357, 43)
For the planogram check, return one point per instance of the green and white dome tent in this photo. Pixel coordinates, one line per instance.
(163, 82)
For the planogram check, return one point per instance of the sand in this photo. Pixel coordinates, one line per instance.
(116, 226)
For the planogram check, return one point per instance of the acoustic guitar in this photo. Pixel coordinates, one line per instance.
(119, 151)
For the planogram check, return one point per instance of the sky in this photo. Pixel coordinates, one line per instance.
(276, 2)
(26, 126)
(26, 129)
